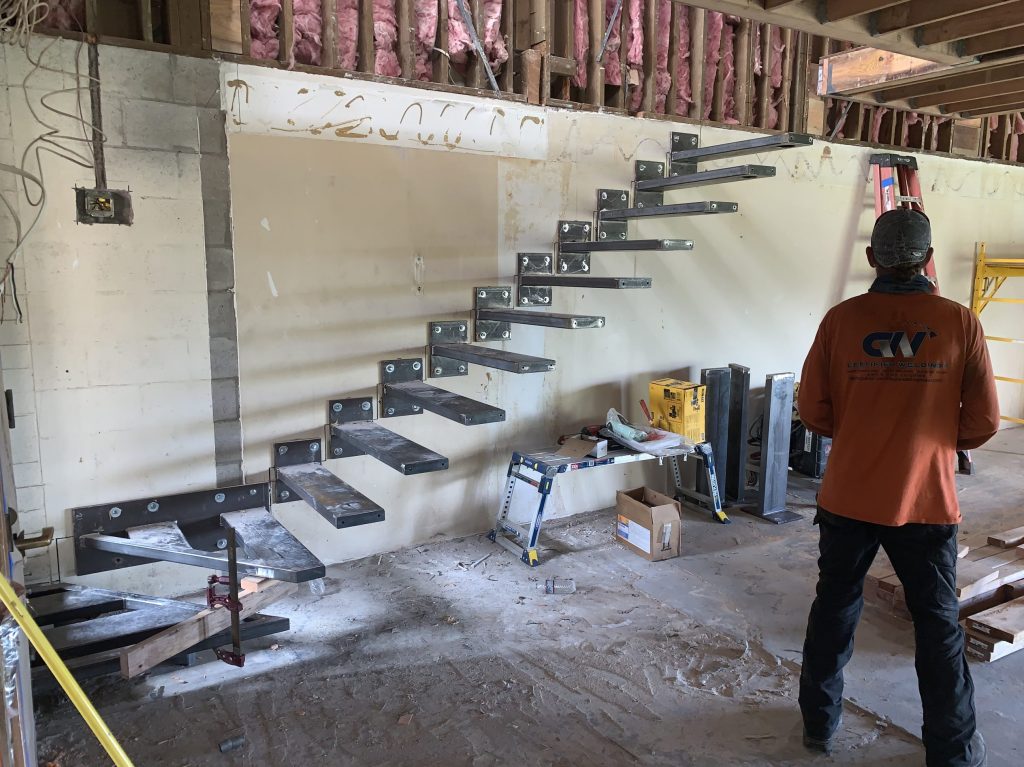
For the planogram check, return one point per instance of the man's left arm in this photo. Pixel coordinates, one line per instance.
(979, 407)
(814, 402)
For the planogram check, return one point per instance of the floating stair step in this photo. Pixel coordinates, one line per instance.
(334, 500)
(741, 148)
(73, 605)
(492, 358)
(706, 178)
(455, 407)
(577, 281)
(681, 209)
(613, 246)
(268, 543)
(370, 438)
(544, 319)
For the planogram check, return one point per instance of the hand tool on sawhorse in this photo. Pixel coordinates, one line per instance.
(713, 502)
(229, 601)
(897, 186)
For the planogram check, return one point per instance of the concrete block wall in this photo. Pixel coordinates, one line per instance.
(115, 395)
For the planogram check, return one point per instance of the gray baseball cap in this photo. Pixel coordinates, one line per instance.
(901, 237)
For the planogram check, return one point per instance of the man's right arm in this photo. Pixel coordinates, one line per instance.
(979, 408)
(814, 402)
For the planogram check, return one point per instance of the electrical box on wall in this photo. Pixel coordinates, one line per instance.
(103, 206)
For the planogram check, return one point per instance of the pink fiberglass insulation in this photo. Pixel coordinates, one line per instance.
(727, 69)
(581, 41)
(612, 59)
(65, 15)
(306, 22)
(348, 33)
(263, 28)
(309, 25)
(426, 31)
(662, 79)
(635, 50)
(684, 92)
(385, 39)
(1015, 133)
(777, 49)
(876, 124)
(714, 24)
(460, 43)
(911, 118)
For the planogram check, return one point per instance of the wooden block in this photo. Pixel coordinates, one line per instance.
(889, 583)
(988, 656)
(1005, 622)
(254, 583)
(971, 577)
(980, 552)
(1008, 539)
(531, 66)
(962, 551)
(146, 654)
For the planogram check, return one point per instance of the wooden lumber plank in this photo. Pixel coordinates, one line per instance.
(1008, 538)
(994, 42)
(978, 23)
(246, 25)
(744, 71)
(146, 18)
(1005, 622)
(969, 94)
(920, 12)
(531, 64)
(977, 577)
(837, 10)
(786, 93)
(329, 33)
(674, 52)
(367, 53)
(475, 76)
(764, 83)
(146, 654)
(442, 66)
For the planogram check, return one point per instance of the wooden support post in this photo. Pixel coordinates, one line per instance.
(698, 18)
(786, 90)
(475, 76)
(367, 52)
(595, 69)
(442, 66)
(671, 99)
(530, 66)
(764, 84)
(718, 102)
(801, 72)
(855, 122)
(565, 30)
(143, 656)
(205, 25)
(405, 14)
(245, 17)
(538, 22)
(329, 33)
(92, 17)
(506, 80)
(286, 31)
(744, 72)
(146, 18)
(650, 64)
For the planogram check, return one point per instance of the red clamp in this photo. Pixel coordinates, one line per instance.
(231, 658)
(224, 600)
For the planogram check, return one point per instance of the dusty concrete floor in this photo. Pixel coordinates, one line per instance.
(412, 659)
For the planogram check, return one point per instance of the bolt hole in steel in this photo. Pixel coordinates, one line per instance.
(365, 405)
(222, 543)
(415, 408)
(482, 294)
(437, 371)
(437, 329)
(415, 366)
(338, 451)
(152, 506)
(219, 498)
(314, 447)
(504, 334)
(282, 450)
(336, 407)
(118, 560)
(115, 512)
(253, 491)
(524, 300)
(565, 227)
(462, 368)
(391, 411)
(389, 368)
(462, 328)
(285, 495)
(482, 336)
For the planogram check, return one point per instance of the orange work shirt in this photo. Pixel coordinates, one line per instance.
(900, 382)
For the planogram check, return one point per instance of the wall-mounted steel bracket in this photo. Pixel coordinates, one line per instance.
(533, 296)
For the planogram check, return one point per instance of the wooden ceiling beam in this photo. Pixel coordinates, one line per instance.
(967, 94)
(771, 5)
(838, 10)
(993, 74)
(973, 24)
(920, 12)
(1002, 110)
(976, 106)
(1004, 40)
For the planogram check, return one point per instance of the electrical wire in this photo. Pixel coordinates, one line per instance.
(17, 20)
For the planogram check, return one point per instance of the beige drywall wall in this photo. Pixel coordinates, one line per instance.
(336, 215)
(111, 367)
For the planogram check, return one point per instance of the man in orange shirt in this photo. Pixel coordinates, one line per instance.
(900, 379)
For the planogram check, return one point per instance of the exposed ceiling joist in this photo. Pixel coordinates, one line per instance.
(920, 12)
(809, 16)
(977, 76)
(976, 106)
(979, 23)
(771, 5)
(838, 10)
(1001, 110)
(965, 94)
(994, 42)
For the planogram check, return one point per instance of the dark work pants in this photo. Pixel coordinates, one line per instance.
(924, 558)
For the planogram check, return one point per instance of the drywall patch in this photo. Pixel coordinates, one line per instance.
(297, 104)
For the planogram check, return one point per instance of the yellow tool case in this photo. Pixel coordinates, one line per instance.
(678, 406)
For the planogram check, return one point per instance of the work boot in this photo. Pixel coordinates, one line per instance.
(823, 745)
(979, 752)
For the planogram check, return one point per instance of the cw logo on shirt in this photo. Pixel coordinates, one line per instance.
(895, 344)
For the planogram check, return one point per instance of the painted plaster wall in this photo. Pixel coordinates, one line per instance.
(375, 210)
(111, 367)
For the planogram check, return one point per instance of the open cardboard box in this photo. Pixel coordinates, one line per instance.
(648, 523)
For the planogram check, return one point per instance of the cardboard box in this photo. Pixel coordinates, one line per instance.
(648, 523)
(678, 406)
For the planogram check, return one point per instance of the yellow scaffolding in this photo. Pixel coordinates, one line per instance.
(989, 276)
